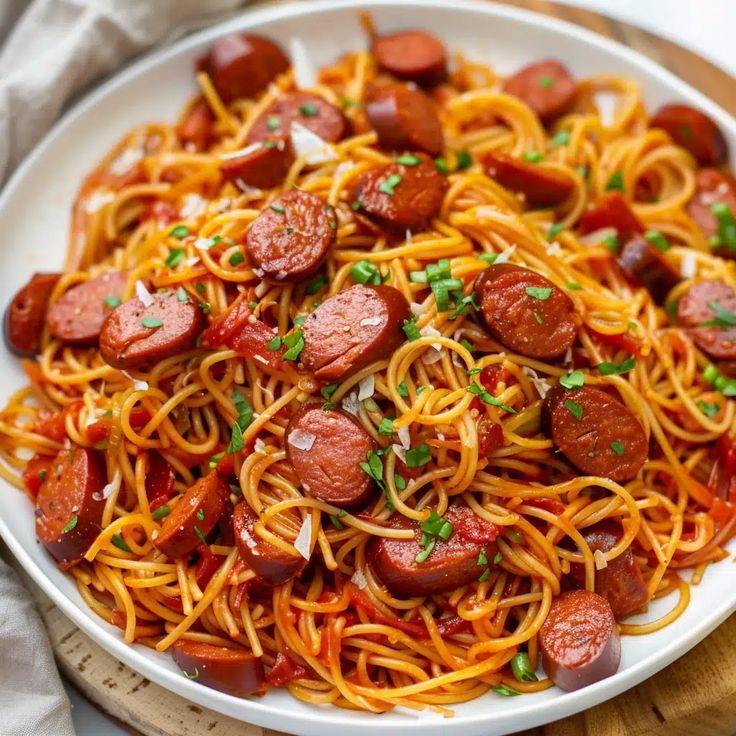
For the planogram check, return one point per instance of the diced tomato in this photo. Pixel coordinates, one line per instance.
(207, 565)
(360, 600)
(252, 342)
(226, 466)
(722, 481)
(99, 431)
(118, 618)
(35, 473)
(53, 424)
(453, 625)
(490, 436)
(163, 212)
(553, 505)
(621, 340)
(160, 480)
(612, 210)
(285, 670)
(173, 602)
(492, 375)
(226, 326)
(197, 128)
(472, 527)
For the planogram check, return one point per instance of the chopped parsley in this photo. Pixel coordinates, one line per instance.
(245, 417)
(387, 186)
(488, 398)
(616, 182)
(309, 110)
(723, 317)
(386, 426)
(179, 232)
(408, 159)
(545, 81)
(181, 295)
(574, 408)
(658, 240)
(236, 258)
(152, 322)
(560, 139)
(70, 525)
(418, 456)
(617, 447)
(365, 272)
(710, 410)
(273, 122)
(533, 157)
(274, 344)
(112, 301)
(505, 691)
(522, 668)
(411, 330)
(726, 226)
(611, 242)
(616, 369)
(402, 390)
(278, 208)
(539, 292)
(119, 542)
(327, 391)
(175, 257)
(160, 512)
(553, 232)
(573, 380)
(295, 344)
(463, 159)
(314, 286)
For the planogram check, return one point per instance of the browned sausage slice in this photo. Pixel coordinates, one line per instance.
(196, 130)
(77, 316)
(713, 187)
(694, 131)
(597, 433)
(194, 516)
(643, 264)
(326, 447)
(414, 56)
(696, 307)
(242, 65)
(134, 335)
(25, 315)
(620, 582)
(311, 111)
(579, 640)
(545, 86)
(611, 210)
(70, 503)
(451, 564)
(404, 118)
(234, 671)
(260, 165)
(400, 196)
(271, 563)
(353, 329)
(540, 185)
(526, 312)
(289, 240)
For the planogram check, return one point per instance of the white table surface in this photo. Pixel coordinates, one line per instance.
(706, 27)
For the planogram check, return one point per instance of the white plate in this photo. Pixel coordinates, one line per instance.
(34, 212)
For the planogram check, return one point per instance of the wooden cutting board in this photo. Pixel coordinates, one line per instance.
(696, 696)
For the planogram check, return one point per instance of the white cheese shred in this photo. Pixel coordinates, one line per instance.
(366, 387)
(358, 579)
(303, 541)
(305, 73)
(143, 294)
(601, 563)
(301, 439)
(310, 147)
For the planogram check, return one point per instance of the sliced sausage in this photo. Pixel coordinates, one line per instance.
(414, 56)
(694, 131)
(194, 517)
(353, 329)
(242, 65)
(713, 187)
(134, 335)
(196, 130)
(620, 582)
(326, 447)
(271, 563)
(611, 210)
(540, 185)
(70, 503)
(234, 671)
(260, 165)
(400, 196)
(526, 312)
(311, 111)
(547, 87)
(451, 564)
(77, 316)
(695, 308)
(643, 264)
(595, 432)
(404, 118)
(25, 315)
(289, 240)
(579, 640)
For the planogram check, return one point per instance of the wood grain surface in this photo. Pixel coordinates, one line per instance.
(696, 696)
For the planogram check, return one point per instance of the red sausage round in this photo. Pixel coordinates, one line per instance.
(526, 312)
(579, 640)
(25, 315)
(597, 433)
(326, 447)
(260, 165)
(404, 118)
(353, 329)
(540, 185)
(451, 564)
(134, 335)
(77, 316)
(547, 87)
(611, 210)
(620, 582)
(414, 56)
(400, 196)
(242, 65)
(271, 563)
(289, 240)
(309, 110)
(713, 187)
(696, 307)
(193, 517)
(69, 504)
(644, 265)
(234, 671)
(196, 130)
(694, 131)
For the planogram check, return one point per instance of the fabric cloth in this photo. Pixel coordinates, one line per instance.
(50, 51)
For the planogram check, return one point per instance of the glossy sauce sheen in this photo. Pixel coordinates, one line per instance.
(546, 86)
(414, 56)
(643, 265)
(451, 564)
(72, 490)
(25, 315)
(694, 309)
(586, 442)
(353, 329)
(330, 469)
(262, 167)
(611, 210)
(535, 327)
(579, 640)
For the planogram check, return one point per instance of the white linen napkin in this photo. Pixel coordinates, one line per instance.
(50, 51)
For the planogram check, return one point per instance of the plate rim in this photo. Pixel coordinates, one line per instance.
(269, 715)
